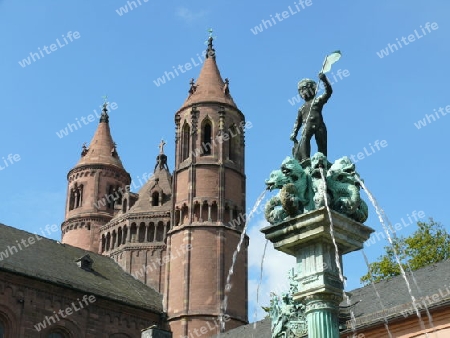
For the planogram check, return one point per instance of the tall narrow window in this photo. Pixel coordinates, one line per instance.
(155, 199)
(133, 232)
(71, 198)
(160, 232)
(2, 330)
(151, 232)
(141, 238)
(119, 237)
(206, 138)
(79, 197)
(118, 195)
(111, 197)
(108, 241)
(185, 142)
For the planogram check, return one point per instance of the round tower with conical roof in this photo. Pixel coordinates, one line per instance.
(208, 209)
(95, 188)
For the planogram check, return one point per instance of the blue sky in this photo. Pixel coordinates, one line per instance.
(383, 97)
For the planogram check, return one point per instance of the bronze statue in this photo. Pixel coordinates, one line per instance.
(310, 116)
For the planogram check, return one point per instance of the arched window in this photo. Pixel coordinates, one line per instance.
(185, 142)
(125, 205)
(103, 244)
(133, 232)
(71, 198)
(151, 232)
(118, 195)
(119, 237)
(160, 232)
(155, 199)
(125, 234)
(206, 138)
(79, 197)
(214, 211)
(197, 211)
(113, 239)
(141, 238)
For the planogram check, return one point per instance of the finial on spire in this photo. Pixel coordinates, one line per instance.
(104, 117)
(84, 149)
(210, 51)
(192, 87)
(226, 86)
(114, 149)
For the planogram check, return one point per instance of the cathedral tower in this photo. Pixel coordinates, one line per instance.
(208, 209)
(95, 189)
(136, 237)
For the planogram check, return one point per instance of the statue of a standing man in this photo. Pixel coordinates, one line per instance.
(310, 116)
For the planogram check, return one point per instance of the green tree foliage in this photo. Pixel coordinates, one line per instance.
(429, 244)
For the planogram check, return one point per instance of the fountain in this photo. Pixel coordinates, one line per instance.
(316, 217)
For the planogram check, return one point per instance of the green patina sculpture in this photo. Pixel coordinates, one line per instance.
(288, 317)
(310, 117)
(302, 189)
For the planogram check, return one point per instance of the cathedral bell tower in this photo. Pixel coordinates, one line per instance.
(95, 188)
(208, 209)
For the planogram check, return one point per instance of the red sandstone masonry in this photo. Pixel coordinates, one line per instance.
(25, 302)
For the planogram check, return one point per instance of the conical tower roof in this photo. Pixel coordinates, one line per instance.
(209, 86)
(102, 149)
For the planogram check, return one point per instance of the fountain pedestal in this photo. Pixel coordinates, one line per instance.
(308, 238)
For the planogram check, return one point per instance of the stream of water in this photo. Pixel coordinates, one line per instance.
(336, 249)
(378, 295)
(228, 284)
(380, 213)
(255, 316)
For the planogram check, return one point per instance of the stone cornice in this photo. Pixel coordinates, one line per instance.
(138, 246)
(99, 166)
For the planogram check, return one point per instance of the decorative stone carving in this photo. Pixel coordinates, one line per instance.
(302, 189)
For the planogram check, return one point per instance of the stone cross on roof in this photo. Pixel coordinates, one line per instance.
(161, 146)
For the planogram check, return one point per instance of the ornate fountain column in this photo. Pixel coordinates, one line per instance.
(308, 238)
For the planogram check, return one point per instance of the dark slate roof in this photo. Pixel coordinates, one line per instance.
(51, 261)
(433, 280)
(259, 329)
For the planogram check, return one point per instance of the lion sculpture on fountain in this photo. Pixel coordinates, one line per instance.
(302, 189)
(295, 193)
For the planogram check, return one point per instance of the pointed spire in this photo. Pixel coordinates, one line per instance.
(102, 149)
(209, 86)
(104, 118)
